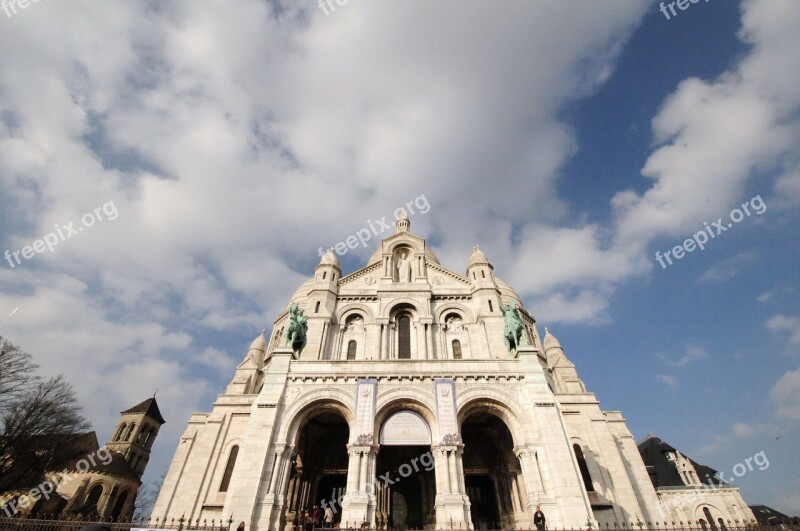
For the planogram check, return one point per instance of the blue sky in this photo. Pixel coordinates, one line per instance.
(225, 142)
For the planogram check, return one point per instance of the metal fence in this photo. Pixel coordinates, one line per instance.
(33, 524)
(56, 524)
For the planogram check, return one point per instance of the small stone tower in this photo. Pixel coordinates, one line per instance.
(135, 433)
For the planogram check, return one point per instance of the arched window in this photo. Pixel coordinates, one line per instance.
(324, 275)
(149, 437)
(130, 431)
(115, 514)
(316, 308)
(226, 478)
(483, 273)
(404, 337)
(141, 438)
(457, 349)
(709, 518)
(351, 349)
(94, 497)
(491, 308)
(120, 432)
(587, 478)
(722, 525)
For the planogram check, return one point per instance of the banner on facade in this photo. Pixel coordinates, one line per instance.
(366, 398)
(446, 410)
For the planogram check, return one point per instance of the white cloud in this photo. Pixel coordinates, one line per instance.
(670, 381)
(235, 141)
(786, 396)
(727, 269)
(785, 323)
(692, 354)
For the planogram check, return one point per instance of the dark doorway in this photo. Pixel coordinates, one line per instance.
(483, 500)
(490, 468)
(405, 488)
(319, 469)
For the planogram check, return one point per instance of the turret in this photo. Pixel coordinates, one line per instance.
(484, 288)
(322, 296)
(246, 380)
(564, 374)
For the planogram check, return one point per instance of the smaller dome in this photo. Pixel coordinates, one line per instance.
(329, 258)
(550, 340)
(507, 291)
(301, 293)
(477, 258)
(259, 343)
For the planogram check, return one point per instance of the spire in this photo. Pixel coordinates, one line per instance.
(402, 223)
(259, 343)
(149, 407)
(550, 341)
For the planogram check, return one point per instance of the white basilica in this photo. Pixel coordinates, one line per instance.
(408, 396)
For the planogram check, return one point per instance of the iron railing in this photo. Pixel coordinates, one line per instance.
(181, 524)
(77, 523)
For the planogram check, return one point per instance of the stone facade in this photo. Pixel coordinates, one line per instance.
(406, 408)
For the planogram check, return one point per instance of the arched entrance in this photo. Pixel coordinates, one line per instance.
(319, 467)
(405, 484)
(490, 471)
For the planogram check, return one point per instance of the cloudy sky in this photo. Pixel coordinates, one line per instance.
(189, 158)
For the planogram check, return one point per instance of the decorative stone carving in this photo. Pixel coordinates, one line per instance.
(364, 439)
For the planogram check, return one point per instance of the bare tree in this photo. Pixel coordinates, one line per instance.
(17, 374)
(41, 425)
(146, 499)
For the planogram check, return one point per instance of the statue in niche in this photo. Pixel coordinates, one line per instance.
(455, 324)
(514, 335)
(356, 324)
(404, 268)
(296, 329)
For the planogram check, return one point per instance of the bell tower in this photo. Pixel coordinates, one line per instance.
(135, 433)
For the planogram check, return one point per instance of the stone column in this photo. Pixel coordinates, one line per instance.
(380, 340)
(530, 478)
(452, 504)
(359, 501)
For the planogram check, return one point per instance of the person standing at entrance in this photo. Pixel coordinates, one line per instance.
(328, 517)
(538, 519)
